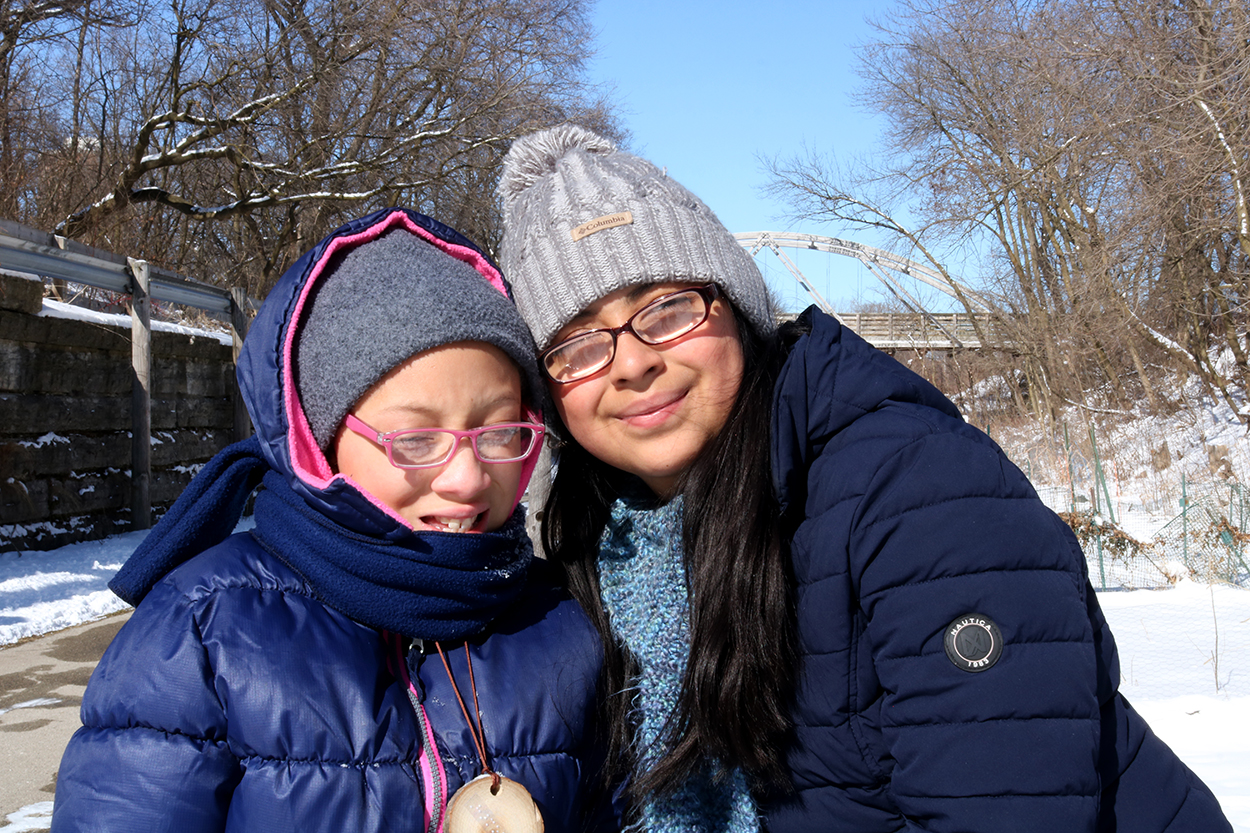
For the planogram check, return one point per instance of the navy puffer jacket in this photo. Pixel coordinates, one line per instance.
(233, 700)
(913, 533)
(237, 699)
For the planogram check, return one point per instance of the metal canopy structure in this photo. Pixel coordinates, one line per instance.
(882, 264)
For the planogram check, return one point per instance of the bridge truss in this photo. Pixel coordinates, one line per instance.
(921, 329)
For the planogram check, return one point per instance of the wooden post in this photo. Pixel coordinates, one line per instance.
(140, 396)
(238, 332)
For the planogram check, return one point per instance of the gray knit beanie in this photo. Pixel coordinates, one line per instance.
(385, 301)
(583, 219)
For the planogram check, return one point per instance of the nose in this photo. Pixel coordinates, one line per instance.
(463, 477)
(635, 360)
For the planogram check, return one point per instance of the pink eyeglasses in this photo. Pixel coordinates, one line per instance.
(426, 448)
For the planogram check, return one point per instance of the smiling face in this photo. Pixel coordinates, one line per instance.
(459, 386)
(655, 408)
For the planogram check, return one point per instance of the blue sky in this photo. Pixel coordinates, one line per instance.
(706, 88)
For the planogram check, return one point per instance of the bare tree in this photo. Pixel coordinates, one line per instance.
(1048, 138)
(30, 32)
(1183, 80)
(228, 135)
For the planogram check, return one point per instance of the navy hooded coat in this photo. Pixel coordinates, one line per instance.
(235, 699)
(907, 522)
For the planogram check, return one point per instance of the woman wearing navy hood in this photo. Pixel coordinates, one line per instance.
(827, 602)
(380, 652)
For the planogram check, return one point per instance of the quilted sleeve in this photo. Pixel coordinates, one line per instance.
(953, 559)
(151, 754)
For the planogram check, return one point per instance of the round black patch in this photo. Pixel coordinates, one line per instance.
(973, 642)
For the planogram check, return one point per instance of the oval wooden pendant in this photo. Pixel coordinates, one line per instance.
(477, 808)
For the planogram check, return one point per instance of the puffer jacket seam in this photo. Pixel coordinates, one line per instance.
(328, 761)
(895, 408)
(970, 573)
(813, 581)
(957, 499)
(1015, 643)
(829, 653)
(1126, 766)
(855, 707)
(947, 723)
(143, 727)
(837, 725)
(537, 753)
(197, 608)
(862, 746)
(1003, 795)
(880, 785)
(901, 408)
(1189, 792)
(201, 594)
(469, 762)
(208, 585)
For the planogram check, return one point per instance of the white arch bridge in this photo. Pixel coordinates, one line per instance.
(917, 330)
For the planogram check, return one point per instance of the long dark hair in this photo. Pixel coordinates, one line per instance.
(734, 702)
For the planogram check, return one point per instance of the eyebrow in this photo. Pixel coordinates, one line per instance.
(584, 315)
(638, 291)
(633, 295)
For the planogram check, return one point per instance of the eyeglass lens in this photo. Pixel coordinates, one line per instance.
(656, 323)
(499, 444)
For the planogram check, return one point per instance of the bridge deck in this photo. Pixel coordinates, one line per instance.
(912, 331)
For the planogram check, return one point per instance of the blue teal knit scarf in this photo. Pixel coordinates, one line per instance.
(643, 583)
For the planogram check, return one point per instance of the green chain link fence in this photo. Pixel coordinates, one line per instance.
(1202, 533)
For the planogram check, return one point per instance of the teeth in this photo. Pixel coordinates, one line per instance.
(457, 524)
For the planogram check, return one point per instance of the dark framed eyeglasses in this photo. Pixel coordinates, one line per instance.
(427, 448)
(665, 319)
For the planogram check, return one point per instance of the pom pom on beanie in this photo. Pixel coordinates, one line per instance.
(583, 219)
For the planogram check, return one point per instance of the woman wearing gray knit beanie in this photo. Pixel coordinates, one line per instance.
(826, 602)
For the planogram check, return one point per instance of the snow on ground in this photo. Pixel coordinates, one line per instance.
(30, 818)
(1184, 654)
(1185, 665)
(41, 592)
(58, 309)
(1184, 646)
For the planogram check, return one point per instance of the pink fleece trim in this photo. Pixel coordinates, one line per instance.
(307, 461)
(427, 773)
(531, 462)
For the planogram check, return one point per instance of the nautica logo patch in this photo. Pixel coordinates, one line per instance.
(620, 218)
(973, 642)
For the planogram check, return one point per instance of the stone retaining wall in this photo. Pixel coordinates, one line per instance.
(65, 388)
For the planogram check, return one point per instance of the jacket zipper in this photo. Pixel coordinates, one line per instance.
(433, 776)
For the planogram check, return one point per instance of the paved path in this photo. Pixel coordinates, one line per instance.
(41, 685)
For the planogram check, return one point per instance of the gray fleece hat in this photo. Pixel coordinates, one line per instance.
(387, 300)
(583, 219)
